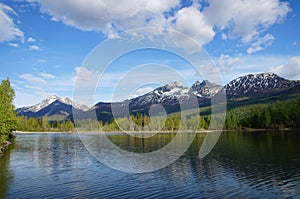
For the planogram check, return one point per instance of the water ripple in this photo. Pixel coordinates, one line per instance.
(58, 166)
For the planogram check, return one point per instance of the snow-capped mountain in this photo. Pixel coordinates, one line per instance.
(175, 92)
(204, 89)
(53, 105)
(165, 94)
(253, 84)
(170, 96)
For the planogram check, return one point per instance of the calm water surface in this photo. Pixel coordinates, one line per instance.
(241, 165)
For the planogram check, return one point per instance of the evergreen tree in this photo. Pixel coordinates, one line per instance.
(8, 119)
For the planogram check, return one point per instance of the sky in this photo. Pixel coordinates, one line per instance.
(44, 44)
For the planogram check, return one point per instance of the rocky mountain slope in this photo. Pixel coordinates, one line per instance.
(254, 84)
(169, 96)
(51, 106)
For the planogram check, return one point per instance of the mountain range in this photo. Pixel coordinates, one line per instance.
(252, 86)
(55, 107)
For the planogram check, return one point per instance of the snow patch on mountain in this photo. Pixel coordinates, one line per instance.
(253, 83)
(204, 89)
(49, 101)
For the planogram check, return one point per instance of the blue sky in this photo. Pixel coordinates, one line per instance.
(43, 43)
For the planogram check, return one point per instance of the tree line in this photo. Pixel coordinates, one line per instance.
(43, 124)
(276, 115)
(142, 122)
(279, 114)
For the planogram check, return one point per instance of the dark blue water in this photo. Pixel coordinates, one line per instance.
(241, 165)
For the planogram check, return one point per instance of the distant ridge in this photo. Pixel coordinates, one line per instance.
(251, 86)
(52, 106)
(170, 96)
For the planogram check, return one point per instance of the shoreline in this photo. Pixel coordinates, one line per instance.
(149, 132)
(3, 147)
(39, 132)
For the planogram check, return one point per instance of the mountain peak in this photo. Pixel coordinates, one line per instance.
(262, 75)
(257, 83)
(204, 89)
(50, 106)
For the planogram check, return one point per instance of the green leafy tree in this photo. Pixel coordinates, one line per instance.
(8, 119)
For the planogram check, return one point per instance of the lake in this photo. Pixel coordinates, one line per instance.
(241, 165)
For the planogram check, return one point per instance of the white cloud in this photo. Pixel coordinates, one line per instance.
(34, 47)
(54, 19)
(234, 19)
(14, 45)
(226, 62)
(291, 70)
(251, 64)
(30, 39)
(261, 43)
(103, 15)
(192, 22)
(246, 19)
(46, 75)
(34, 88)
(85, 83)
(140, 91)
(110, 17)
(8, 30)
(224, 36)
(208, 71)
(32, 78)
(83, 74)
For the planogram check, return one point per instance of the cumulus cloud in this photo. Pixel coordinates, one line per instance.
(104, 15)
(8, 30)
(193, 23)
(32, 78)
(234, 19)
(246, 19)
(291, 70)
